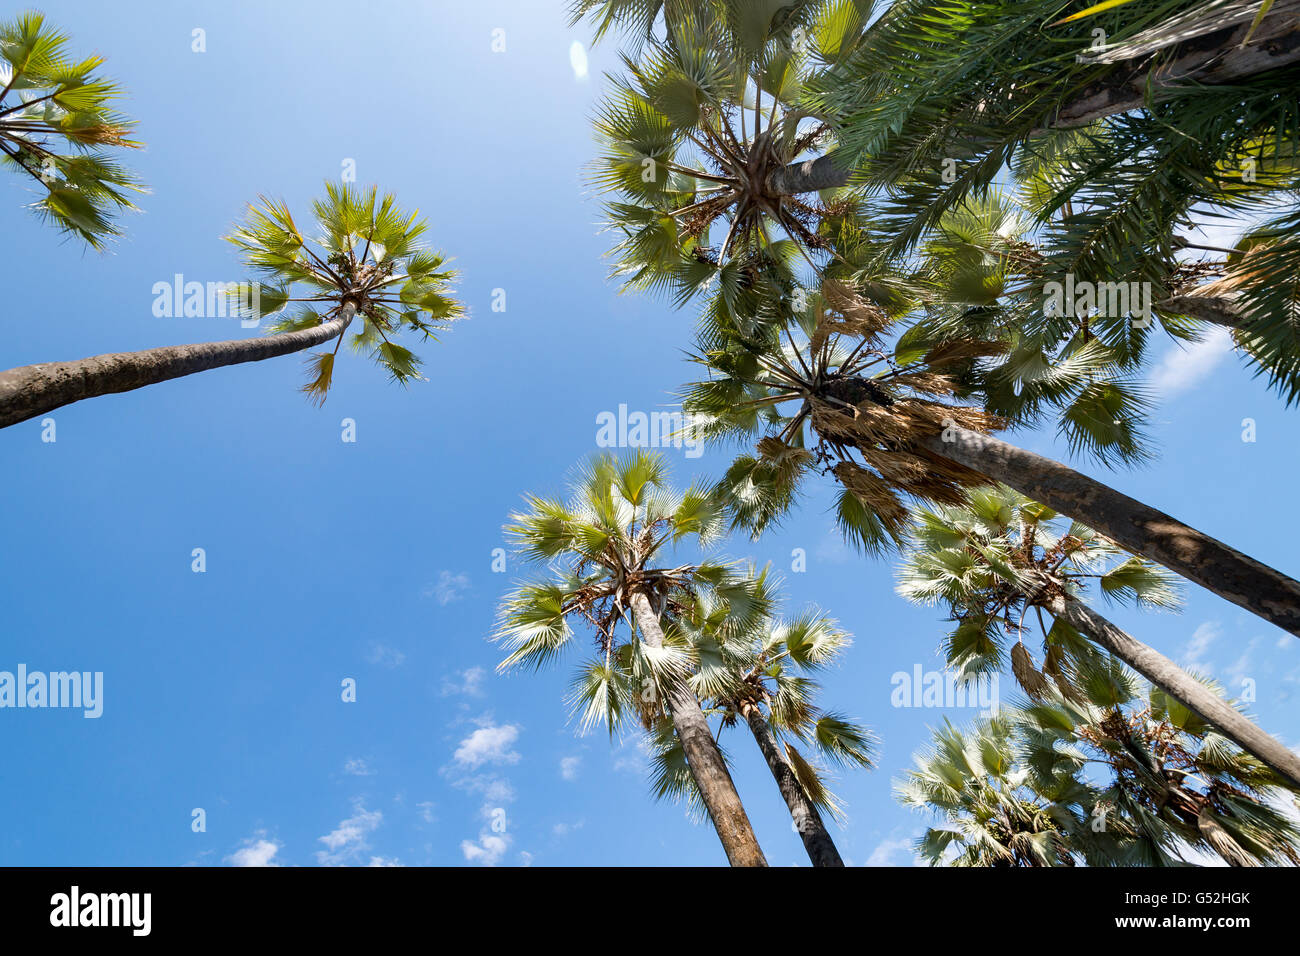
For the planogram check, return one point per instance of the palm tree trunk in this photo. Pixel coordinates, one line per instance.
(32, 390)
(703, 756)
(1218, 309)
(1135, 527)
(813, 175)
(1177, 683)
(816, 840)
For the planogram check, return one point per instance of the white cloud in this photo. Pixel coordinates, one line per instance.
(888, 851)
(487, 851)
(569, 767)
(348, 839)
(256, 851)
(426, 811)
(564, 829)
(468, 683)
(578, 60)
(450, 587)
(357, 767)
(383, 861)
(1184, 366)
(1193, 656)
(489, 744)
(385, 656)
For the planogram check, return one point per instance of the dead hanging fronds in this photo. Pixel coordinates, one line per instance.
(874, 492)
(1055, 666)
(1026, 674)
(856, 315)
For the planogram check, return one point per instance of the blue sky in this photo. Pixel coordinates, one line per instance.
(372, 560)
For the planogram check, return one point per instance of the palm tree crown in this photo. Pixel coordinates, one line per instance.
(60, 128)
(369, 264)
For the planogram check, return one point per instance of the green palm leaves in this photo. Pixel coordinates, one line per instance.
(607, 542)
(698, 128)
(1124, 776)
(825, 390)
(1129, 156)
(995, 560)
(57, 126)
(969, 779)
(366, 261)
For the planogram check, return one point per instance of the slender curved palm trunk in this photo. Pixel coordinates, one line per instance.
(1178, 684)
(1129, 523)
(703, 756)
(816, 840)
(32, 390)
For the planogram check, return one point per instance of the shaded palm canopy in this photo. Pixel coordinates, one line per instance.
(59, 128)
(367, 262)
(1116, 775)
(713, 162)
(1130, 125)
(995, 562)
(758, 662)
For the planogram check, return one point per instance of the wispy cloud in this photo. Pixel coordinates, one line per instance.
(468, 683)
(487, 850)
(1197, 647)
(569, 767)
(488, 745)
(348, 840)
(449, 587)
(894, 851)
(256, 851)
(1186, 365)
(356, 767)
(385, 656)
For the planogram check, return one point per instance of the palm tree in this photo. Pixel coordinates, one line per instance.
(59, 129)
(606, 546)
(1173, 782)
(993, 560)
(369, 264)
(704, 147)
(755, 668)
(1180, 116)
(879, 422)
(970, 780)
(1102, 777)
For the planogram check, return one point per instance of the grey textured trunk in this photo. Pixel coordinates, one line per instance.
(32, 390)
(1208, 56)
(816, 840)
(1178, 684)
(703, 756)
(809, 176)
(1132, 525)
(1218, 309)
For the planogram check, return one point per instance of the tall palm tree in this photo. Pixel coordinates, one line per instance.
(369, 263)
(758, 669)
(1105, 778)
(1000, 556)
(57, 126)
(607, 547)
(880, 422)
